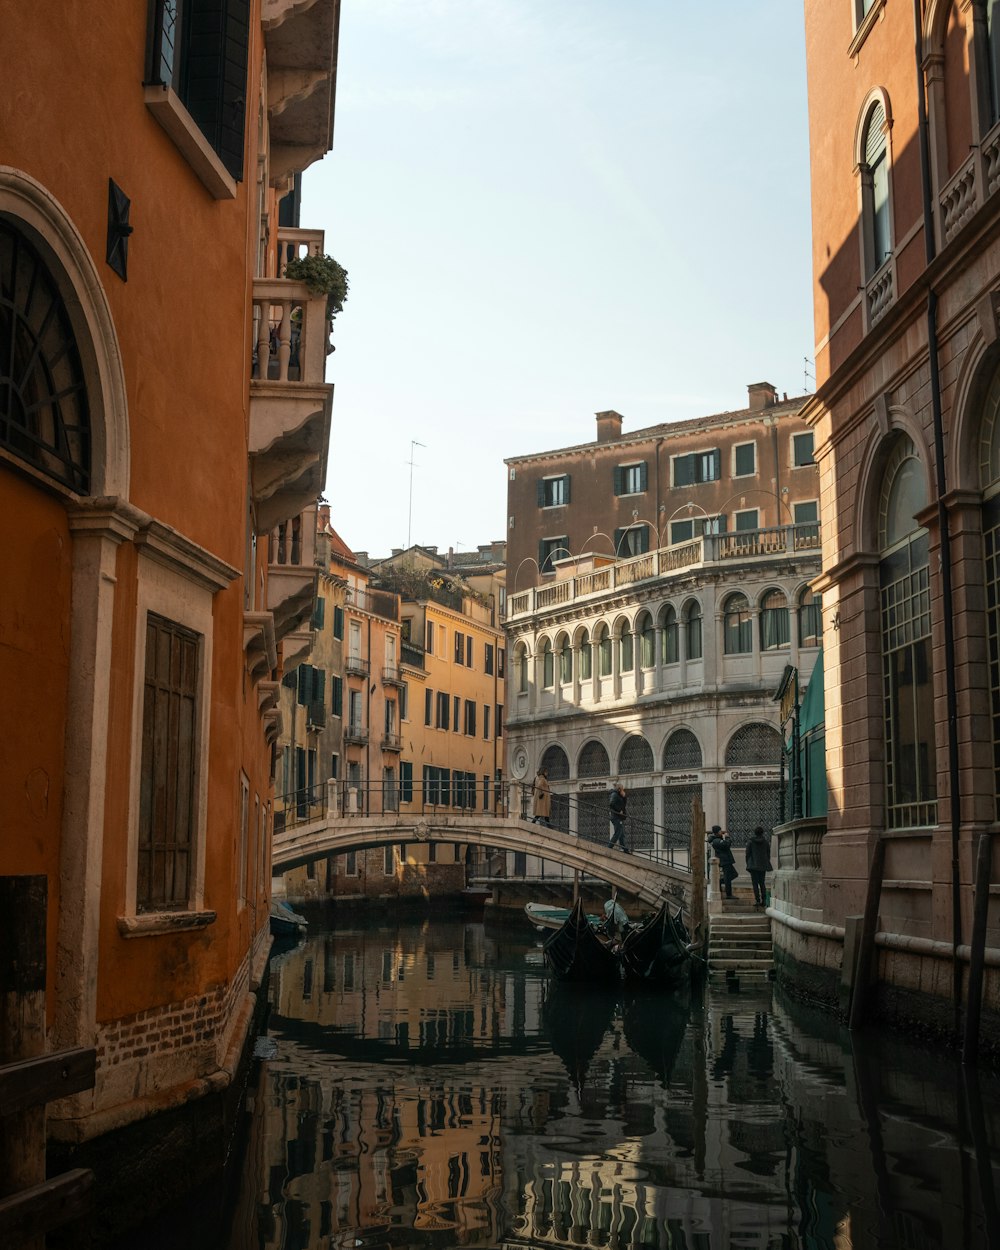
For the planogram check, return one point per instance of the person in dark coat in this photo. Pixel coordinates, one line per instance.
(723, 848)
(759, 863)
(617, 804)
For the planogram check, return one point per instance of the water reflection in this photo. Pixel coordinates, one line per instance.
(433, 1088)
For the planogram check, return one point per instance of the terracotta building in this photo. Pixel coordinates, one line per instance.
(905, 143)
(660, 666)
(150, 442)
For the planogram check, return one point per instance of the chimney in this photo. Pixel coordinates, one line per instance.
(609, 426)
(762, 395)
(324, 516)
(397, 551)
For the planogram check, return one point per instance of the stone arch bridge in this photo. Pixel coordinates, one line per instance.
(652, 877)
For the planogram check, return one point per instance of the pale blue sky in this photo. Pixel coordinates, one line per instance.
(548, 208)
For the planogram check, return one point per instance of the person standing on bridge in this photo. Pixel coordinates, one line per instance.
(618, 805)
(759, 863)
(542, 800)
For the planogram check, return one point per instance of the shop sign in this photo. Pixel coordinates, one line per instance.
(754, 774)
(682, 779)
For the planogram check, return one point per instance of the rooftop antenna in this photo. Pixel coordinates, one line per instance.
(808, 375)
(409, 517)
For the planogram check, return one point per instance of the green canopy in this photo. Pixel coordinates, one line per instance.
(813, 710)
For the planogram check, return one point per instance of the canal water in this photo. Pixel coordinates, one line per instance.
(430, 1086)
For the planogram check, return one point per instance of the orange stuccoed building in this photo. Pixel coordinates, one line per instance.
(163, 411)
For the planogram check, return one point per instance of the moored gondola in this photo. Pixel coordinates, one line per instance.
(576, 953)
(656, 953)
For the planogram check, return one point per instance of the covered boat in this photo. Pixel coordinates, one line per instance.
(284, 921)
(575, 952)
(656, 953)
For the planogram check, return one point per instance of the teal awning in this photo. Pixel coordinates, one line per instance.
(813, 710)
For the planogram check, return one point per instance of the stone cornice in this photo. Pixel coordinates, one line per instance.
(857, 562)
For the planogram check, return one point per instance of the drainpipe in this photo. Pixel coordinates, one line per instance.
(368, 719)
(947, 600)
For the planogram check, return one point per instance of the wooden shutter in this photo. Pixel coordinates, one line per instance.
(566, 480)
(541, 492)
(468, 651)
(717, 465)
(428, 706)
(619, 478)
(214, 75)
(459, 647)
(642, 476)
(684, 470)
(619, 533)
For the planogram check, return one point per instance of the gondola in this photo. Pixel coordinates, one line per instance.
(575, 952)
(575, 1021)
(542, 916)
(655, 1028)
(656, 953)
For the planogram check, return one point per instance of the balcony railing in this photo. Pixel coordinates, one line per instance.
(391, 742)
(356, 734)
(378, 602)
(412, 654)
(391, 676)
(782, 540)
(357, 666)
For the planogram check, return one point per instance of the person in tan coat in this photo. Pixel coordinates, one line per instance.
(541, 810)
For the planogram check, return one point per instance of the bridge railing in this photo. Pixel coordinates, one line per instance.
(586, 819)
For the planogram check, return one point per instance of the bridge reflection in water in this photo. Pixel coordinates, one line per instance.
(432, 1087)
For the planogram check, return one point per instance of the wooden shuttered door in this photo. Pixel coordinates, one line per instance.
(169, 743)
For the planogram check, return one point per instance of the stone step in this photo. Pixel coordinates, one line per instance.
(746, 926)
(741, 965)
(760, 950)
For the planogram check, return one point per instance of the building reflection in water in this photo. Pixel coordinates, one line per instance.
(433, 1088)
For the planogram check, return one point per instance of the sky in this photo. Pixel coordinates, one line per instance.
(547, 209)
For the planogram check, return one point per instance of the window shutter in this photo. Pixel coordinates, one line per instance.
(541, 492)
(336, 695)
(643, 540)
(684, 470)
(619, 480)
(874, 135)
(214, 86)
(566, 496)
(304, 684)
(717, 464)
(428, 706)
(338, 622)
(319, 612)
(619, 534)
(319, 685)
(543, 555)
(459, 648)
(642, 476)
(468, 652)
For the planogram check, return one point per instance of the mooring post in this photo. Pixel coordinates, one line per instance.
(698, 872)
(23, 903)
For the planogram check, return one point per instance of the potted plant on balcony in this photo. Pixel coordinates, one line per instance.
(323, 276)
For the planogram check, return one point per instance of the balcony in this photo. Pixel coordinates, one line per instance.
(355, 735)
(316, 716)
(290, 401)
(412, 654)
(392, 676)
(292, 580)
(391, 742)
(259, 645)
(704, 552)
(377, 602)
(356, 666)
(301, 41)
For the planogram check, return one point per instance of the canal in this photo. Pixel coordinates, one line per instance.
(429, 1086)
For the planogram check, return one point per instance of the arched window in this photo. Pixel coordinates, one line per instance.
(755, 744)
(635, 756)
(669, 652)
(682, 751)
(44, 414)
(594, 761)
(905, 601)
(548, 670)
(692, 630)
(555, 763)
(737, 626)
(625, 651)
(774, 629)
(647, 640)
(810, 619)
(603, 650)
(565, 659)
(521, 664)
(875, 190)
(583, 646)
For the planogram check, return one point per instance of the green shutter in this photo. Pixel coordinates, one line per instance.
(214, 75)
(619, 534)
(642, 476)
(567, 487)
(619, 477)
(541, 492)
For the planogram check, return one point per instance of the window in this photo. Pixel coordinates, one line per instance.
(565, 662)
(428, 706)
(430, 638)
(499, 719)
(44, 415)
(470, 718)
(805, 515)
(737, 626)
(810, 619)
(389, 861)
(774, 623)
(405, 781)
(338, 621)
(354, 640)
(802, 449)
(553, 492)
(456, 717)
(437, 785)
(468, 651)
(501, 658)
(488, 658)
(630, 479)
(603, 651)
(681, 531)
(486, 722)
(459, 647)
(199, 49)
(167, 770)
(337, 695)
(521, 665)
(550, 549)
(669, 641)
(633, 540)
(404, 701)
(697, 466)
(907, 667)
(626, 656)
(749, 519)
(548, 676)
(744, 459)
(686, 531)
(390, 718)
(875, 191)
(647, 640)
(443, 709)
(354, 711)
(585, 656)
(241, 871)
(319, 613)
